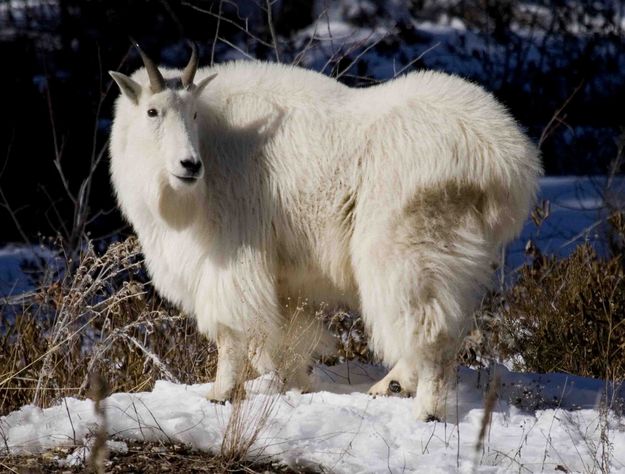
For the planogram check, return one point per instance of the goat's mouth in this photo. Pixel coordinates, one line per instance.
(187, 179)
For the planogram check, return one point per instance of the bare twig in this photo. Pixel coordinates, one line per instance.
(69, 415)
(153, 358)
(272, 31)
(221, 18)
(360, 55)
(216, 35)
(417, 59)
(302, 53)
(489, 406)
(235, 47)
(99, 453)
(16, 222)
(557, 118)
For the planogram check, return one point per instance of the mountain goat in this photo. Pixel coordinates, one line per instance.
(263, 185)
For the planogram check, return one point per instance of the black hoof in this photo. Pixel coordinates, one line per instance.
(394, 386)
(432, 418)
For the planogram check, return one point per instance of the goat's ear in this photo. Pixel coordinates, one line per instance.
(129, 88)
(199, 87)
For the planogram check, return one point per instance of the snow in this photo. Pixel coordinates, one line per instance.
(578, 213)
(14, 280)
(340, 428)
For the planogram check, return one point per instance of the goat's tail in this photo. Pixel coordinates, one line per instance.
(510, 197)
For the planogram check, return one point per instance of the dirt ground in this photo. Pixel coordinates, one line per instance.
(142, 458)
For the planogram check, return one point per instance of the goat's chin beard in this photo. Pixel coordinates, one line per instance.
(177, 202)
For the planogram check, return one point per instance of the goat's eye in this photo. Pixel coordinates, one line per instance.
(194, 115)
(152, 112)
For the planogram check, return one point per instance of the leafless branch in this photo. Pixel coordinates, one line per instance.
(417, 59)
(272, 31)
(220, 17)
(361, 54)
(557, 118)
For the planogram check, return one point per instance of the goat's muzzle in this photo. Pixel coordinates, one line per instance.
(192, 171)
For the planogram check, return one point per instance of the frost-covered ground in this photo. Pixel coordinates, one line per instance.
(340, 428)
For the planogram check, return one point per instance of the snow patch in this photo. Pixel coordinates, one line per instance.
(14, 279)
(556, 420)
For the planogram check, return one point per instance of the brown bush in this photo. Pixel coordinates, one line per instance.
(101, 317)
(565, 315)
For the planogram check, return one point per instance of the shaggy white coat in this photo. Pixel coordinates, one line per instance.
(392, 200)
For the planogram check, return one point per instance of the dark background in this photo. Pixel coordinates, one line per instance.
(557, 65)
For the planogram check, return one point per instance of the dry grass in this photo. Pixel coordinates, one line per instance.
(100, 316)
(247, 421)
(250, 417)
(566, 315)
(561, 315)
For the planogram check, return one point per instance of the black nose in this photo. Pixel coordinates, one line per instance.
(191, 166)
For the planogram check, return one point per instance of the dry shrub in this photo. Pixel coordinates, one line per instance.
(566, 315)
(99, 316)
(353, 343)
(246, 423)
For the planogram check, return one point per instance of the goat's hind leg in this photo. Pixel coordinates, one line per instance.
(385, 281)
(420, 328)
(418, 293)
(401, 380)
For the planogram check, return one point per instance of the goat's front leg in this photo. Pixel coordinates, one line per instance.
(232, 353)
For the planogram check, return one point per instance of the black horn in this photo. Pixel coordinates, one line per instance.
(157, 83)
(189, 71)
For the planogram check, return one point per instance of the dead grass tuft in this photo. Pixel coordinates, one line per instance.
(567, 315)
(101, 317)
(560, 314)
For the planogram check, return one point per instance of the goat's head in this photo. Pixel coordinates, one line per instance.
(164, 121)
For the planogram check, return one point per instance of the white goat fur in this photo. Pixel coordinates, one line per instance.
(392, 200)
